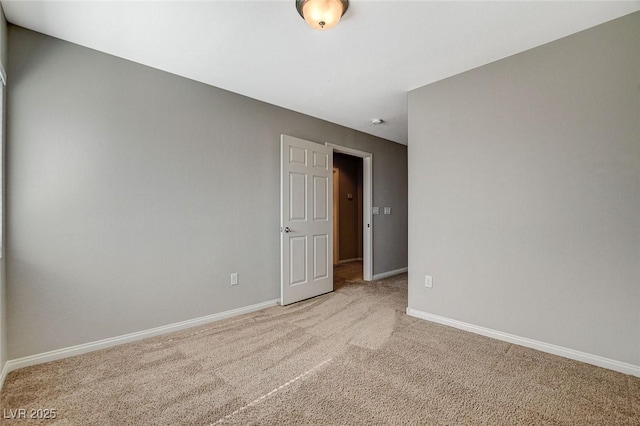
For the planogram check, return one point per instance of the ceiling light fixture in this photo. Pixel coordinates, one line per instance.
(376, 121)
(322, 14)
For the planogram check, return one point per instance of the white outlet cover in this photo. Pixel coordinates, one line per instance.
(234, 278)
(428, 281)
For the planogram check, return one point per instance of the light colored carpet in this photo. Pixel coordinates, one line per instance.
(349, 357)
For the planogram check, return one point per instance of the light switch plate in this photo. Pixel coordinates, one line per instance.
(428, 281)
(376, 210)
(387, 210)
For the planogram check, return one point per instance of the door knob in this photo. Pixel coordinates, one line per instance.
(287, 230)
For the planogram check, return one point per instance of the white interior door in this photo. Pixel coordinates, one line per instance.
(306, 206)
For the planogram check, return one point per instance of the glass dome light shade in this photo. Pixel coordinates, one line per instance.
(322, 14)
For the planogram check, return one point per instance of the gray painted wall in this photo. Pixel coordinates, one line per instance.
(134, 193)
(524, 181)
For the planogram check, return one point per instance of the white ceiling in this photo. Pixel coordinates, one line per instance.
(359, 70)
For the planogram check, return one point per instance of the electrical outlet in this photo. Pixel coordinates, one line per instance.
(234, 278)
(428, 281)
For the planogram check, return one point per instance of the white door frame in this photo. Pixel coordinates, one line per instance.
(367, 203)
(336, 216)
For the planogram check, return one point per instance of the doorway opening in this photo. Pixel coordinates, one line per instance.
(347, 219)
(352, 242)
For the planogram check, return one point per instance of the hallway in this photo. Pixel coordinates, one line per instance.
(346, 272)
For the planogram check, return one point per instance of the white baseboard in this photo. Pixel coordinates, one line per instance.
(390, 273)
(57, 354)
(599, 361)
(3, 374)
(355, 259)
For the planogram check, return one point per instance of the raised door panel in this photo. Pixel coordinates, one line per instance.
(297, 197)
(297, 155)
(320, 160)
(297, 260)
(320, 256)
(320, 198)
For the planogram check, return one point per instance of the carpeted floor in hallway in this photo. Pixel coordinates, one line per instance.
(349, 357)
(346, 273)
